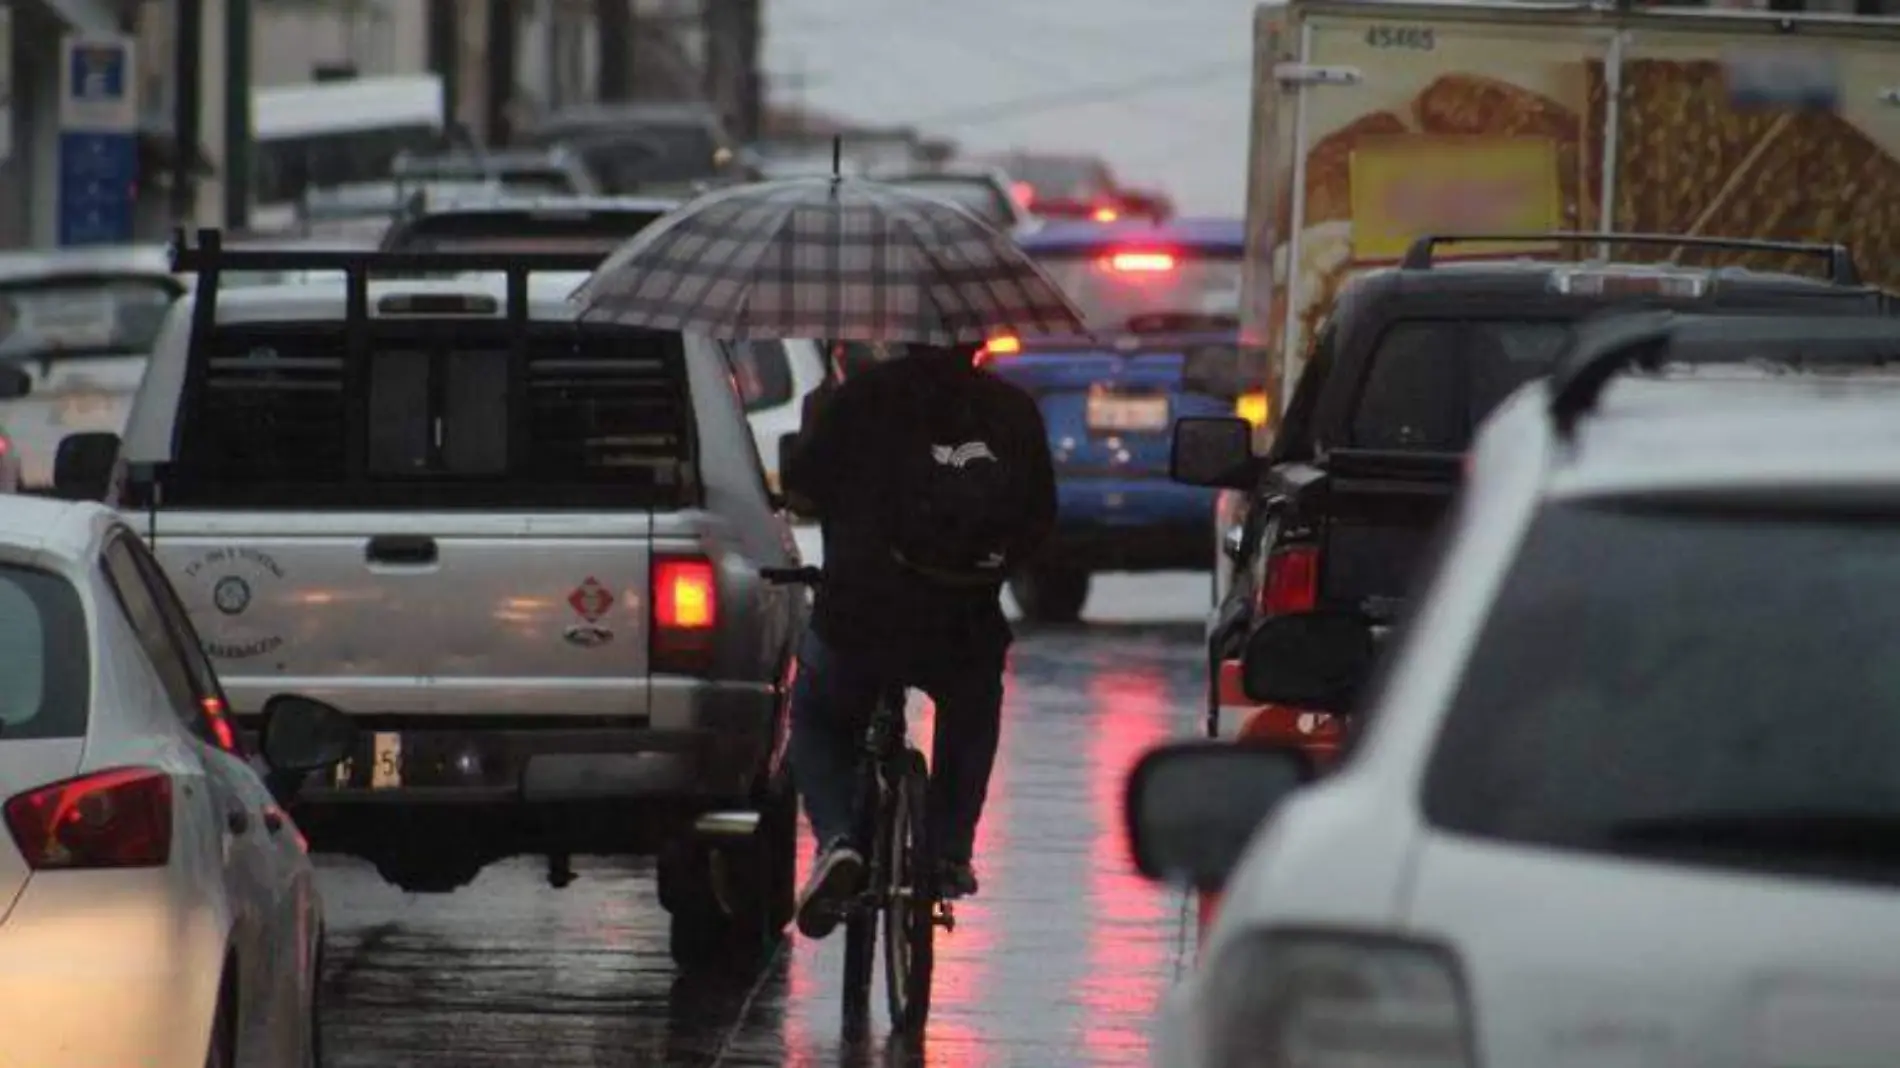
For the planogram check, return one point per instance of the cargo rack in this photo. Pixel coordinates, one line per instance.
(208, 259)
(1841, 269)
(1620, 341)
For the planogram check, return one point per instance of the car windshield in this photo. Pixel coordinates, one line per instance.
(52, 319)
(43, 656)
(1145, 289)
(1616, 691)
(520, 233)
(651, 155)
(990, 204)
(1058, 179)
(1432, 381)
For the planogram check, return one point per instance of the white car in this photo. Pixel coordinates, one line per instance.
(82, 323)
(156, 904)
(1628, 786)
(774, 379)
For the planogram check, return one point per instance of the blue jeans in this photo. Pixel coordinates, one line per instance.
(832, 702)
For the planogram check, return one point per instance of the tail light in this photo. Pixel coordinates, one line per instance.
(1141, 262)
(220, 724)
(685, 615)
(1105, 215)
(1253, 408)
(1024, 193)
(118, 818)
(1291, 583)
(1003, 345)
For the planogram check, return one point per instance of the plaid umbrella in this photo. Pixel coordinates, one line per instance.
(827, 257)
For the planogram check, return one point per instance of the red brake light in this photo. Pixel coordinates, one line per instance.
(685, 612)
(220, 726)
(1141, 262)
(4, 444)
(1292, 581)
(1024, 193)
(118, 818)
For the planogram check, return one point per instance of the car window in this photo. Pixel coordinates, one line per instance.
(1145, 289)
(1432, 381)
(1616, 685)
(205, 688)
(762, 372)
(600, 417)
(45, 656)
(68, 320)
(475, 231)
(155, 636)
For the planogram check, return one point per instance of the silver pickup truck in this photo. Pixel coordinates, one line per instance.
(521, 551)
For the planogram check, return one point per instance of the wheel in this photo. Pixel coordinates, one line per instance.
(860, 925)
(910, 926)
(1050, 593)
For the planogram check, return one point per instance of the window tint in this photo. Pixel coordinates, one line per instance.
(598, 418)
(1181, 291)
(512, 231)
(63, 320)
(155, 637)
(1433, 381)
(1616, 683)
(45, 656)
(763, 373)
(288, 166)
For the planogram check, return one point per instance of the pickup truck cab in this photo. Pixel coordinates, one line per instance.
(1405, 365)
(520, 551)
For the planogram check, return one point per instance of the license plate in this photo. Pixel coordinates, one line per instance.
(1113, 412)
(386, 770)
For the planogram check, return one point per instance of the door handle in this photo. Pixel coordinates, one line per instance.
(410, 549)
(237, 821)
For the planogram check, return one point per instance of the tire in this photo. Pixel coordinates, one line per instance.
(1050, 594)
(760, 877)
(910, 925)
(860, 927)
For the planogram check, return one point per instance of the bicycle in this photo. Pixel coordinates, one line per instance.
(900, 869)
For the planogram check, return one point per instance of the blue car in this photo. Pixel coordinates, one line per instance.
(1163, 303)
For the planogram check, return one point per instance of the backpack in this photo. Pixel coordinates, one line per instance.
(961, 493)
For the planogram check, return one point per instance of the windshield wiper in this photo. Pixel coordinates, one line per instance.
(1815, 833)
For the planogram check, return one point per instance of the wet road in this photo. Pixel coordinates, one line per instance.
(1059, 962)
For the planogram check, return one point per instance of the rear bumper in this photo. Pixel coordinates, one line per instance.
(1134, 524)
(96, 970)
(708, 743)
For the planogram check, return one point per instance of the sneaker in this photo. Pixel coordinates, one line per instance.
(834, 879)
(956, 879)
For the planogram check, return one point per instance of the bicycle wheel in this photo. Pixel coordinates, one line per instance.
(910, 925)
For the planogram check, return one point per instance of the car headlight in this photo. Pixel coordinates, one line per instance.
(1325, 999)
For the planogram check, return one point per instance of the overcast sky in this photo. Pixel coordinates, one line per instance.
(1159, 91)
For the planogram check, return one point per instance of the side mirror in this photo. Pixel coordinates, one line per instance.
(1314, 661)
(1213, 452)
(1192, 807)
(82, 468)
(302, 734)
(14, 382)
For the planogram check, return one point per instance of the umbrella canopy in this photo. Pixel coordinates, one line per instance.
(827, 257)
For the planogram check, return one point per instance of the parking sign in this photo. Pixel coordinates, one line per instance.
(99, 87)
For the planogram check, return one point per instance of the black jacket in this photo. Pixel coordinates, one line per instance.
(844, 470)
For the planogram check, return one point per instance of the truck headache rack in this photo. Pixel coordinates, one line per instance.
(1841, 269)
(1647, 340)
(208, 259)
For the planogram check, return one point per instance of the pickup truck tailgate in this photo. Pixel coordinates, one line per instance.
(1382, 510)
(416, 612)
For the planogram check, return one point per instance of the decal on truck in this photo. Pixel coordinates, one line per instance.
(231, 577)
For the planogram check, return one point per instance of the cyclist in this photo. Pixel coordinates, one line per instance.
(930, 479)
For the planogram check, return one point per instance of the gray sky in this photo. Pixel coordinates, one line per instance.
(1166, 87)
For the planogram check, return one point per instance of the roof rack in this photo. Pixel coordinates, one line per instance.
(208, 259)
(1609, 344)
(1841, 269)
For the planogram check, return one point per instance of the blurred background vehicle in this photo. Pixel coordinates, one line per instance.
(81, 323)
(983, 190)
(1164, 303)
(552, 171)
(648, 149)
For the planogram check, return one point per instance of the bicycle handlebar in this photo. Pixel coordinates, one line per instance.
(793, 576)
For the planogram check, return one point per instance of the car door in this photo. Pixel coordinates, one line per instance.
(247, 874)
(288, 909)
